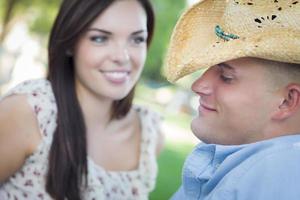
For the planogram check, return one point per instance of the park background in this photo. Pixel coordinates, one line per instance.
(24, 31)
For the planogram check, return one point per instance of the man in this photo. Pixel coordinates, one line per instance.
(249, 98)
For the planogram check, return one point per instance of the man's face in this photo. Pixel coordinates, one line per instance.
(236, 103)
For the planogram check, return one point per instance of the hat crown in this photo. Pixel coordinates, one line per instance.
(248, 17)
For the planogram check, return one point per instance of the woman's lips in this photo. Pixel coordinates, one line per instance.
(116, 77)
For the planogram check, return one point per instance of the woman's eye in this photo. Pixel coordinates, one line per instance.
(139, 40)
(99, 39)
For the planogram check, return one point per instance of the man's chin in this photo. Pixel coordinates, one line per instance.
(197, 131)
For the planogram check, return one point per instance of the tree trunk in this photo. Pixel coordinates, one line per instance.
(8, 12)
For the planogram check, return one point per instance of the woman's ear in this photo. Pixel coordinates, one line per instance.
(290, 103)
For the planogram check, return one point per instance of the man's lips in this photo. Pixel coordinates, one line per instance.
(203, 106)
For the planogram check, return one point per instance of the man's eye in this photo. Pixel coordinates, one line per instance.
(226, 79)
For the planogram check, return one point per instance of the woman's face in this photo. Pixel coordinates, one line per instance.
(110, 55)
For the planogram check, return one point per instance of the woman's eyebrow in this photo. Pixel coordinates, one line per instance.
(110, 33)
(138, 32)
(100, 30)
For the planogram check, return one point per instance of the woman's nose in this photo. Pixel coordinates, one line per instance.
(120, 54)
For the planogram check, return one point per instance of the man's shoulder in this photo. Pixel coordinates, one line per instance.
(270, 173)
(270, 157)
(276, 159)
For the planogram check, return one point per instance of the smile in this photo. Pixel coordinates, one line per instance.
(116, 77)
(205, 108)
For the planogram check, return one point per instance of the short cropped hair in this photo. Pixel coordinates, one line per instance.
(281, 73)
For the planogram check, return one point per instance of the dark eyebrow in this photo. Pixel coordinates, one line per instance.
(226, 66)
(110, 33)
(100, 30)
(138, 32)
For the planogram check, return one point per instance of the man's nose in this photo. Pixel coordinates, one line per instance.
(204, 84)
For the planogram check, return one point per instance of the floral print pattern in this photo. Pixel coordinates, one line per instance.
(29, 181)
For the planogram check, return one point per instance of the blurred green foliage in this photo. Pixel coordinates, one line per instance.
(167, 13)
(39, 14)
(170, 164)
(45, 14)
(146, 95)
(2, 6)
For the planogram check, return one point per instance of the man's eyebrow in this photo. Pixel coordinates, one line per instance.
(226, 66)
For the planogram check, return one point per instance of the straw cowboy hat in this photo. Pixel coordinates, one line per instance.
(215, 31)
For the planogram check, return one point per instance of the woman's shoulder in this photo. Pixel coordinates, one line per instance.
(37, 91)
(18, 124)
(15, 107)
(151, 122)
(37, 98)
(147, 113)
(41, 85)
(21, 105)
(33, 87)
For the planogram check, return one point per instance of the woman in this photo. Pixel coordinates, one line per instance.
(76, 135)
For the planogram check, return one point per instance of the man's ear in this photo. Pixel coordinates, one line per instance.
(290, 103)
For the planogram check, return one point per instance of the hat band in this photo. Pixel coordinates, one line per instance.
(225, 36)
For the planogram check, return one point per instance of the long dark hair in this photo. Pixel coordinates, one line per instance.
(68, 168)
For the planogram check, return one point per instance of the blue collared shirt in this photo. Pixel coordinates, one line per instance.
(265, 170)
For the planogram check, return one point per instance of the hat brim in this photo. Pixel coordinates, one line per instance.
(194, 44)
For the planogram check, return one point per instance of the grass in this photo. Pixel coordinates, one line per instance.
(170, 166)
(171, 159)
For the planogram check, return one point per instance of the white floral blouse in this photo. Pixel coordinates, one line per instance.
(29, 181)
